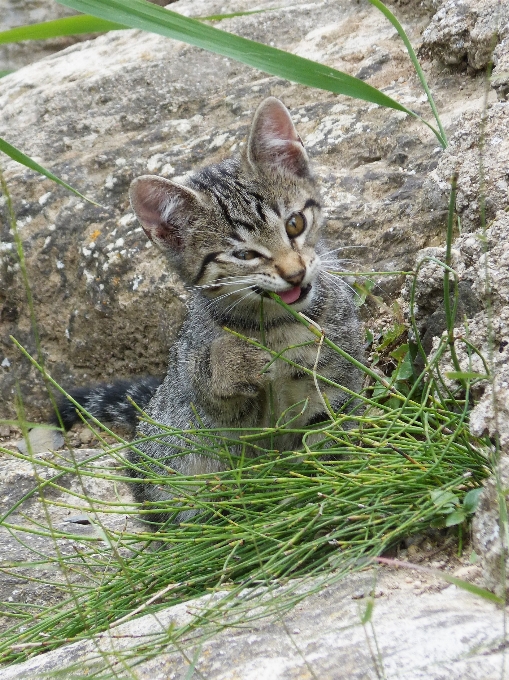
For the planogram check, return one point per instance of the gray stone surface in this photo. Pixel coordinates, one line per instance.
(445, 634)
(62, 506)
(490, 540)
(128, 103)
(125, 104)
(41, 439)
(465, 32)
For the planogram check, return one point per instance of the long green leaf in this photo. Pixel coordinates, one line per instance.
(413, 57)
(20, 157)
(58, 28)
(143, 15)
(85, 23)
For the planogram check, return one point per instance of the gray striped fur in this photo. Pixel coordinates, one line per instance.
(228, 232)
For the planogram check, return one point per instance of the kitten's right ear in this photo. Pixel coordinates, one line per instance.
(163, 209)
(274, 141)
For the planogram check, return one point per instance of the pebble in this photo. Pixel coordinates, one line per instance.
(358, 595)
(41, 439)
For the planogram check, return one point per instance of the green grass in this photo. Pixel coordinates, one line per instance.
(276, 525)
(272, 519)
(262, 522)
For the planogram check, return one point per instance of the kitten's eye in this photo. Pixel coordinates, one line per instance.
(295, 225)
(246, 254)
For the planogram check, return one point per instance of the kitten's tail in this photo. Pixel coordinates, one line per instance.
(108, 402)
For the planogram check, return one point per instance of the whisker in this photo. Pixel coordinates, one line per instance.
(337, 263)
(339, 283)
(225, 295)
(230, 308)
(335, 250)
(228, 281)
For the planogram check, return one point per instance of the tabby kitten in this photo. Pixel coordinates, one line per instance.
(236, 230)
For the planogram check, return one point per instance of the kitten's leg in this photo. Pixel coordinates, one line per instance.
(235, 381)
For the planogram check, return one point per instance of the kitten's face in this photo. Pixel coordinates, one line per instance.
(268, 245)
(242, 227)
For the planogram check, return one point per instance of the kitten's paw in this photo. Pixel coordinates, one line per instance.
(238, 368)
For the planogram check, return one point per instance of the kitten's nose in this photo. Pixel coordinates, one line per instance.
(295, 278)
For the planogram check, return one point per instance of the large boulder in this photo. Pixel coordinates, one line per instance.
(127, 103)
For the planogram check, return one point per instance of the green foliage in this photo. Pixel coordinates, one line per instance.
(264, 520)
(146, 16)
(78, 25)
(454, 510)
(58, 29)
(20, 157)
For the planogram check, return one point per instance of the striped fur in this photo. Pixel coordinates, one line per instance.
(234, 231)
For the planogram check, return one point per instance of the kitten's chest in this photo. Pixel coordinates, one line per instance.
(297, 347)
(294, 343)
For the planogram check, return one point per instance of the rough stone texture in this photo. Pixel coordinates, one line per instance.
(481, 260)
(125, 104)
(61, 507)
(488, 531)
(466, 32)
(128, 103)
(479, 152)
(447, 634)
(500, 73)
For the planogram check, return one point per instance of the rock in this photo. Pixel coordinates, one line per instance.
(466, 32)
(488, 531)
(41, 439)
(449, 635)
(500, 74)
(63, 504)
(86, 436)
(147, 104)
(480, 258)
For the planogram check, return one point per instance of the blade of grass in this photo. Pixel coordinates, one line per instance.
(232, 15)
(143, 15)
(22, 158)
(390, 16)
(85, 23)
(58, 28)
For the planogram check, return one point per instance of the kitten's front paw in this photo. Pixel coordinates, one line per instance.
(238, 368)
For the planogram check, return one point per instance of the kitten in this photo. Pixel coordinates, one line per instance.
(234, 231)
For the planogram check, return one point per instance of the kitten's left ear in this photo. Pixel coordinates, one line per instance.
(274, 142)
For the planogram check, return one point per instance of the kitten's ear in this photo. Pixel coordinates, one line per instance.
(163, 209)
(274, 142)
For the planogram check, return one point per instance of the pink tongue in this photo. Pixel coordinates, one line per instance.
(291, 295)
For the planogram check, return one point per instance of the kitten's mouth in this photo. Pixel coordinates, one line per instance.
(291, 296)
